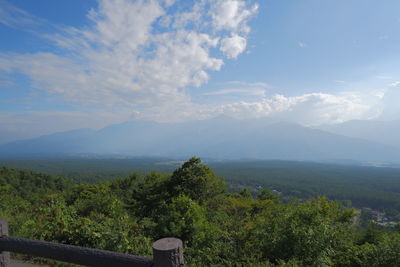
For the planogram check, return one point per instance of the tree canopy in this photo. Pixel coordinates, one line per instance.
(218, 227)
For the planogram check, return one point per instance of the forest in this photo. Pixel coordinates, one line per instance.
(354, 186)
(219, 227)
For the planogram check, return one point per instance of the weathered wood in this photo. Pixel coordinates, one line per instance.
(4, 255)
(72, 254)
(168, 252)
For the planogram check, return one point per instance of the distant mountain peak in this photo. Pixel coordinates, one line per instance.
(221, 137)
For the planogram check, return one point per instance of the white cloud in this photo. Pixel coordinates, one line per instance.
(307, 109)
(257, 92)
(233, 46)
(247, 84)
(136, 58)
(232, 15)
(17, 18)
(380, 94)
(135, 54)
(240, 88)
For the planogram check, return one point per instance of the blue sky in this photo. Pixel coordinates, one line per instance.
(73, 64)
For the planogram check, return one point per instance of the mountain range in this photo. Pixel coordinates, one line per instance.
(217, 138)
(385, 132)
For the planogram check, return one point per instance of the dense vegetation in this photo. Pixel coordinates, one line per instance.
(92, 170)
(218, 228)
(357, 186)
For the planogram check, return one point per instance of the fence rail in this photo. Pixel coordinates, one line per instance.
(167, 252)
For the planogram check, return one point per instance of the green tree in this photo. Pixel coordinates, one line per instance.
(196, 181)
(311, 232)
(183, 218)
(266, 194)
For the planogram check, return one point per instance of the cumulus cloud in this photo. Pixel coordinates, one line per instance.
(142, 58)
(139, 54)
(307, 109)
(395, 84)
(233, 46)
(232, 15)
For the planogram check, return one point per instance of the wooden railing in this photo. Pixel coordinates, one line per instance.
(167, 252)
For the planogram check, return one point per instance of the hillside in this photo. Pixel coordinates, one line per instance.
(363, 186)
(218, 138)
(384, 132)
(218, 228)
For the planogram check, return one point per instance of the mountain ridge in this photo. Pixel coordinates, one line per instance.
(219, 138)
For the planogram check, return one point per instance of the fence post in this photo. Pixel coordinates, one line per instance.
(4, 255)
(168, 252)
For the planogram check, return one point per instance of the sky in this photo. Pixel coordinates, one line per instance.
(88, 64)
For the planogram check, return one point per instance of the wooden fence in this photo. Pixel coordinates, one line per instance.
(167, 252)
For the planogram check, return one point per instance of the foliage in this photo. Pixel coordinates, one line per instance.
(195, 180)
(219, 228)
